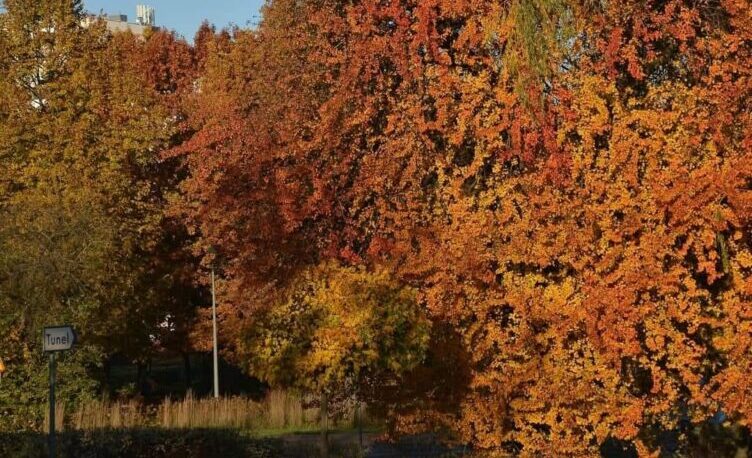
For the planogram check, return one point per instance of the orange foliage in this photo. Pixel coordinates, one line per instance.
(581, 222)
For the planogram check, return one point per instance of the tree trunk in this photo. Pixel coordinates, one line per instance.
(187, 371)
(107, 382)
(140, 376)
(325, 425)
(359, 415)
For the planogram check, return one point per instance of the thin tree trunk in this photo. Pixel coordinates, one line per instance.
(148, 382)
(107, 381)
(324, 425)
(360, 424)
(187, 371)
(140, 376)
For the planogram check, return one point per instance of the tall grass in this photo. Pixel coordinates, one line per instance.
(285, 409)
(209, 413)
(280, 410)
(104, 414)
(59, 417)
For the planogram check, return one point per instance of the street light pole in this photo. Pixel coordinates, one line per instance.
(214, 323)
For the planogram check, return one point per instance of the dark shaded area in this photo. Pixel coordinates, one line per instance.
(639, 379)
(439, 384)
(153, 443)
(346, 445)
(716, 437)
(713, 438)
(175, 376)
(615, 448)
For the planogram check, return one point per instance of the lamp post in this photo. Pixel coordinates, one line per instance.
(212, 251)
(214, 326)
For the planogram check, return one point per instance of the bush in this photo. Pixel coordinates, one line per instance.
(152, 443)
(24, 389)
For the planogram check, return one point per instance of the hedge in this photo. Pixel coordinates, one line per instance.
(152, 443)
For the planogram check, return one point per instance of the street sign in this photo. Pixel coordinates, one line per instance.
(56, 339)
(59, 338)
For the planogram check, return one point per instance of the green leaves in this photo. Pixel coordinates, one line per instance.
(84, 237)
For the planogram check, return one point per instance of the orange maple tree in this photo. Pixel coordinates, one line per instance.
(565, 184)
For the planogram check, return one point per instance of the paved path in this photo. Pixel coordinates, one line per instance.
(346, 445)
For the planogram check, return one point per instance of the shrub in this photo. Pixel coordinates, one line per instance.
(153, 443)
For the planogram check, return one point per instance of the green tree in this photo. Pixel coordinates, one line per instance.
(83, 190)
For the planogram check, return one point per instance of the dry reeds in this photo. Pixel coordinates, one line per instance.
(286, 409)
(235, 412)
(104, 414)
(59, 417)
(280, 410)
(276, 409)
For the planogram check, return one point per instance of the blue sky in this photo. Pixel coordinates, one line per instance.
(185, 16)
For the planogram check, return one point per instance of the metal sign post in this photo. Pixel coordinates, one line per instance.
(52, 406)
(57, 339)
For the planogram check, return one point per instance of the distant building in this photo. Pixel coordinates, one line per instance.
(145, 20)
(145, 15)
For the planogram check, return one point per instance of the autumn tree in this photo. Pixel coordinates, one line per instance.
(338, 328)
(252, 118)
(340, 332)
(558, 280)
(81, 195)
(167, 66)
(565, 184)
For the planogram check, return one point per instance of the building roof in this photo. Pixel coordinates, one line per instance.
(118, 24)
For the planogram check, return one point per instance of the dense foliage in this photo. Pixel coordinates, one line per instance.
(561, 187)
(84, 235)
(565, 184)
(141, 442)
(338, 328)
